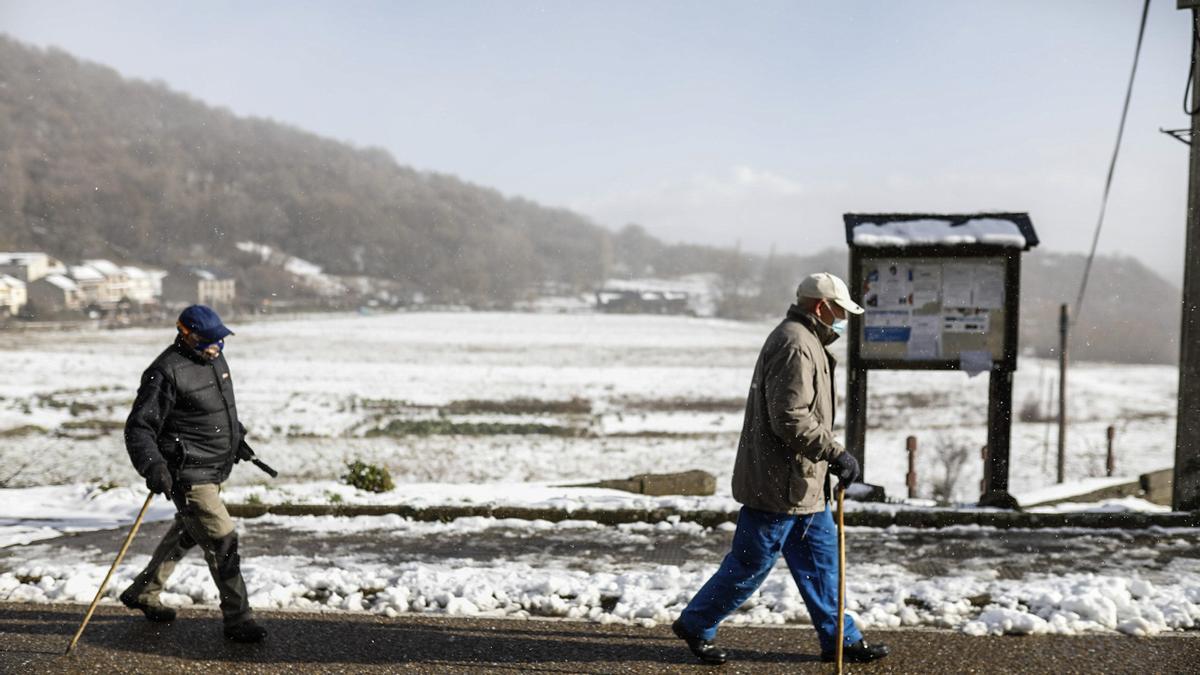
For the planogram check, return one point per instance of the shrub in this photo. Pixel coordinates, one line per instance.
(368, 477)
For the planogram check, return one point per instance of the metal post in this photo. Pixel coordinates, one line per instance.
(1186, 494)
(1110, 463)
(856, 416)
(999, 438)
(911, 445)
(1064, 328)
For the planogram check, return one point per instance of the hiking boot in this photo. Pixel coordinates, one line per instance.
(704, 650)
(155, 613)
(859, 652)
(246, 631)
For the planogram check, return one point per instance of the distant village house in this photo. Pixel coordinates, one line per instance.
(197, 285)
(97, 284)
(12, 295)
(55, 293)
(29, 266)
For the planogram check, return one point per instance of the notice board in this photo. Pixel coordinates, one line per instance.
(935, 311)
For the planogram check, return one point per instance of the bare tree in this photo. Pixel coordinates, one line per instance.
(951, 455)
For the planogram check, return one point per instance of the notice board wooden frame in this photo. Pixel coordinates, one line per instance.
(1000, 377)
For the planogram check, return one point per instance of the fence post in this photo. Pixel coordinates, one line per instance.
(911, 445)
(1110, 464)
(986, 484)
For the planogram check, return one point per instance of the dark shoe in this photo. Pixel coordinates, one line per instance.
(247, 631)
(156, 613)
(704, 650)
(859, 652)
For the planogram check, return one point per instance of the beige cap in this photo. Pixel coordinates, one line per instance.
(826, 286)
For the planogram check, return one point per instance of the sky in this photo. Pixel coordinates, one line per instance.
(724, 123)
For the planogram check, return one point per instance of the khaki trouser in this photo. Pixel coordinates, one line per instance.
(202, 519)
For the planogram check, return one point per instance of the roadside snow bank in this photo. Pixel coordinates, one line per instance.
(879, 596)
(33, 514)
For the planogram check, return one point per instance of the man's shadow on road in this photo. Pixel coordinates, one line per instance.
(415, 639)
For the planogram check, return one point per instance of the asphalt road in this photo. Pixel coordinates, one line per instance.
(33, 637)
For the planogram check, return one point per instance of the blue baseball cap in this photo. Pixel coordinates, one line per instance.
(204, 322)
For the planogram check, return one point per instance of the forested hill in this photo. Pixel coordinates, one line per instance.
(95, 164)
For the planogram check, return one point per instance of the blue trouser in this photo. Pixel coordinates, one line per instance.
(810, 547)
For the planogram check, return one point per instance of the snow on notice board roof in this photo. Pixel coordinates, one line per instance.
(932, 231)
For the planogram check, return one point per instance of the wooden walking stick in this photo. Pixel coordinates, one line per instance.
(100, 592)
(841, 617)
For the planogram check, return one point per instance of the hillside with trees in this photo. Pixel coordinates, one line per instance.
(96, 165)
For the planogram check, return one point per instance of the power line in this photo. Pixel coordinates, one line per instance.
(1112, 165)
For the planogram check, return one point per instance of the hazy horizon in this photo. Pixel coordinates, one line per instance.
(704, 122)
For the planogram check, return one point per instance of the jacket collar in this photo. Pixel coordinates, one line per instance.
(824, 333)
(187, 351)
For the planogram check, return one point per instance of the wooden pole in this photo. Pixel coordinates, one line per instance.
(841, 616)
(100, 591)
(1110, 463)
(1064, 320)
(911, 445)
(1186, 491)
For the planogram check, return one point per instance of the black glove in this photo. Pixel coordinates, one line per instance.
(845, 467)
(158, 479)
(244, 452)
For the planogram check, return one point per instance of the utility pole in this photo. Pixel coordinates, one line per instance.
(1186, 491)
(1064, 328)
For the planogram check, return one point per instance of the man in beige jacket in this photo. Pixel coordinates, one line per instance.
(786, 451)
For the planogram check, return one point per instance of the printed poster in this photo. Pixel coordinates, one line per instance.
(887, 325)
(965, 321)
(988, 287)
(925, 339)
(957, 285)
(889, 287)
(926, 285)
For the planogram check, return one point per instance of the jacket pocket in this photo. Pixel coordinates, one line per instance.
(802, 480)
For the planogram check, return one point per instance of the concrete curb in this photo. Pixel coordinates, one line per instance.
(910, 518)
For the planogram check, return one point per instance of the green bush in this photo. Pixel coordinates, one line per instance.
(368, 477)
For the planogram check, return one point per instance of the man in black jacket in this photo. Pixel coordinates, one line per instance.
(183, 437)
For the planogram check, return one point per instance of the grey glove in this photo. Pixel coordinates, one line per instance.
(845, 467)
(158, 479)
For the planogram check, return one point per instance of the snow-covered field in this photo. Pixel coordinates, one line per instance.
(500, 401)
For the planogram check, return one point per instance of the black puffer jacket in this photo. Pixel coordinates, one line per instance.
(185, 414)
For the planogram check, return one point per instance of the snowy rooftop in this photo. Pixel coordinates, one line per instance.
(1007, 230)
(11, 282)
(106, 267)
(86, 273)
(21, 256)
(65, 283)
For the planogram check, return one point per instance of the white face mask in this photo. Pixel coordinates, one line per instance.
(838, 326)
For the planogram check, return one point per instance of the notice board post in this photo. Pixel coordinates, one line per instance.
(941, 292)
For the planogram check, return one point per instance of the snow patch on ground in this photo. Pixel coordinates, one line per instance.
(880, 595)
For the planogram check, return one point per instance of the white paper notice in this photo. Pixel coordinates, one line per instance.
(893, 287)
(926, 285)
(965, 321)
(957, 285)
(925, 340)
(988, 287)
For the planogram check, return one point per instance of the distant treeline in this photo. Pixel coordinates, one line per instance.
(95, 165)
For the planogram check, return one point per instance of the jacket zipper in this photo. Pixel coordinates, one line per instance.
(228, 415)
